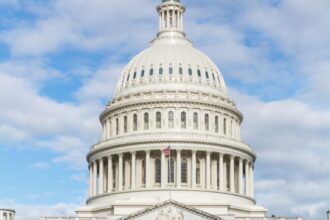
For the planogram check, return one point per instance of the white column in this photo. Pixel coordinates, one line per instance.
(101, 179)
(148, 169)
(240, 176)
(109, 127)
(251, 181)
(178, 168)
(163, 170)
(193, 169)
(168, 19)
(163, 20)
(120, 176)
(247, 178)
(133, 170)
(231, 173)
(174, 19)
(94, 178)
(90, 179)
(208, 169)
(110, 174)
(221, 172)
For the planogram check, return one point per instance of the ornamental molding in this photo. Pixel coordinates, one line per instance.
(103, 151)
(140, 104)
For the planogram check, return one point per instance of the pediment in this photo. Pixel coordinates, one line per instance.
(171, 210)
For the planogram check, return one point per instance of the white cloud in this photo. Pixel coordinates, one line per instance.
(33, 212)
(40, 165)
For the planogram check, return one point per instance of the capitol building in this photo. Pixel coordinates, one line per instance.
(171, 147)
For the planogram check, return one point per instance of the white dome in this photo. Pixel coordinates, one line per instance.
(171, 63)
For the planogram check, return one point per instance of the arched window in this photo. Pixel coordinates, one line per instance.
(151, 72)
(135, 122)
(127, 77)
(207, 125)
(216, 124)
(117, 126)
(207, 75)
(224, 126)
(125, 124)
(161, 71)
(183, 120)
(158, 120)
(199, 73)
(180, 71)
(198, 172)
(158, 170)
(146, 120)
(143, 172)
(195, 120)
(190, 72)
(134, 76)
(184, 171)
(142, 73)
(170, 119)
(170, 165)
(170, 71)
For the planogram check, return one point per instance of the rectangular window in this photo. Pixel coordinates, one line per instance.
(125, 124)
(117, 126)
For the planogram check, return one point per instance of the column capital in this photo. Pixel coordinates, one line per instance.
(133, 152)
(178, 150)
(208, 152)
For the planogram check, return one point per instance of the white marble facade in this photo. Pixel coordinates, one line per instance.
(171, 94)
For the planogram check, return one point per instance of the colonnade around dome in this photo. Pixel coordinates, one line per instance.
(184, 169)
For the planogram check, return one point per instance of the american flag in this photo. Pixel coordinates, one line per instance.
(167, 151)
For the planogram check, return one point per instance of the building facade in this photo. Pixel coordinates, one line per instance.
(7, 214)
(171, 138)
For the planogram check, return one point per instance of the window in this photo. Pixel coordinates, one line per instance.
(117, 126)
(170, 119)
(207, 75)
(143, 172)
(184, 172)
(195, 121)
(135, 122)
(127, 77)
(151, 72)
(158, 120)
(180, 71)
(170, 71)
(134, 76)
(213, 76)
(157, 170)
(124, 174)
(224, 126)
(114, 176)
(170, 177)
(125, 124)
(216, 124)
(142, 73)
(199, 73)
(161, 71)
(206, 122)
(190, 72)
(183, 120)
(146, 120)
(198, 172)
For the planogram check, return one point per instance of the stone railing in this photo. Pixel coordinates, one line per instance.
(73, 218)
(271, 218)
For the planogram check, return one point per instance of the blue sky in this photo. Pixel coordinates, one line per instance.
(60, 60)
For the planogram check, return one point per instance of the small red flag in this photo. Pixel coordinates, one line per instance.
(167, 151)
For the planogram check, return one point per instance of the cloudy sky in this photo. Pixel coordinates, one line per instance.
(59, 62)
